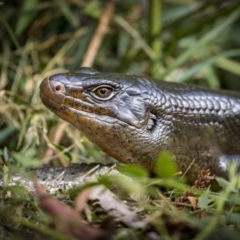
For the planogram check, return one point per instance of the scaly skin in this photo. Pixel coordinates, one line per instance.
(142, 116)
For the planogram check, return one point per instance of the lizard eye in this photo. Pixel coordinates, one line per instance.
(103, 92)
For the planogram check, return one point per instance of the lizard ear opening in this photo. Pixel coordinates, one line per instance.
(86, 70)
(151, 121)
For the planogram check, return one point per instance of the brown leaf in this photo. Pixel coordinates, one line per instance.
(81, 199)
(193, 201)
(66, 220)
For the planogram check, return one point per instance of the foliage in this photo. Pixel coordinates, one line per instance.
(194, 42)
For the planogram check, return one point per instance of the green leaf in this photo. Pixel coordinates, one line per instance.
(223, 183)
(73, 192)
(27, 158)
(203, 200)
(61, 149)
(7, 131)
(233, 218)
(6, 176)
(176, 183)
(6, 154)
(131, 186)
(93, 9)
(165, 166)
(132, 171)
(17, 191)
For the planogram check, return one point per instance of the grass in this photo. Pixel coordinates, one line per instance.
(185, 41)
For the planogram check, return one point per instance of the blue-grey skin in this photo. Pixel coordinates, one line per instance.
(134, 118)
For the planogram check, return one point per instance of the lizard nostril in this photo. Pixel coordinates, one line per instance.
(59, 87)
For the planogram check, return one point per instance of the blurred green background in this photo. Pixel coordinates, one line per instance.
(191, 41)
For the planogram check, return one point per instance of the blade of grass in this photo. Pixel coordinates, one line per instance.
(27, 15)
(81, 47)
(23, 130)
(67, 13)
(204, 40)
(155, 41)
(135, 35)
(229, 65)
(9, 30)
(20, 72)
(174, 16)
(219, 209)
(100, 32)
(211, 77)
(199, 26)
(59, 55)
(213, 60)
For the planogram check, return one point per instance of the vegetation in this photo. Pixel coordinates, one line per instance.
(194, 41)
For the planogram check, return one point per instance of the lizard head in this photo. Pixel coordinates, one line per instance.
(114, 111)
